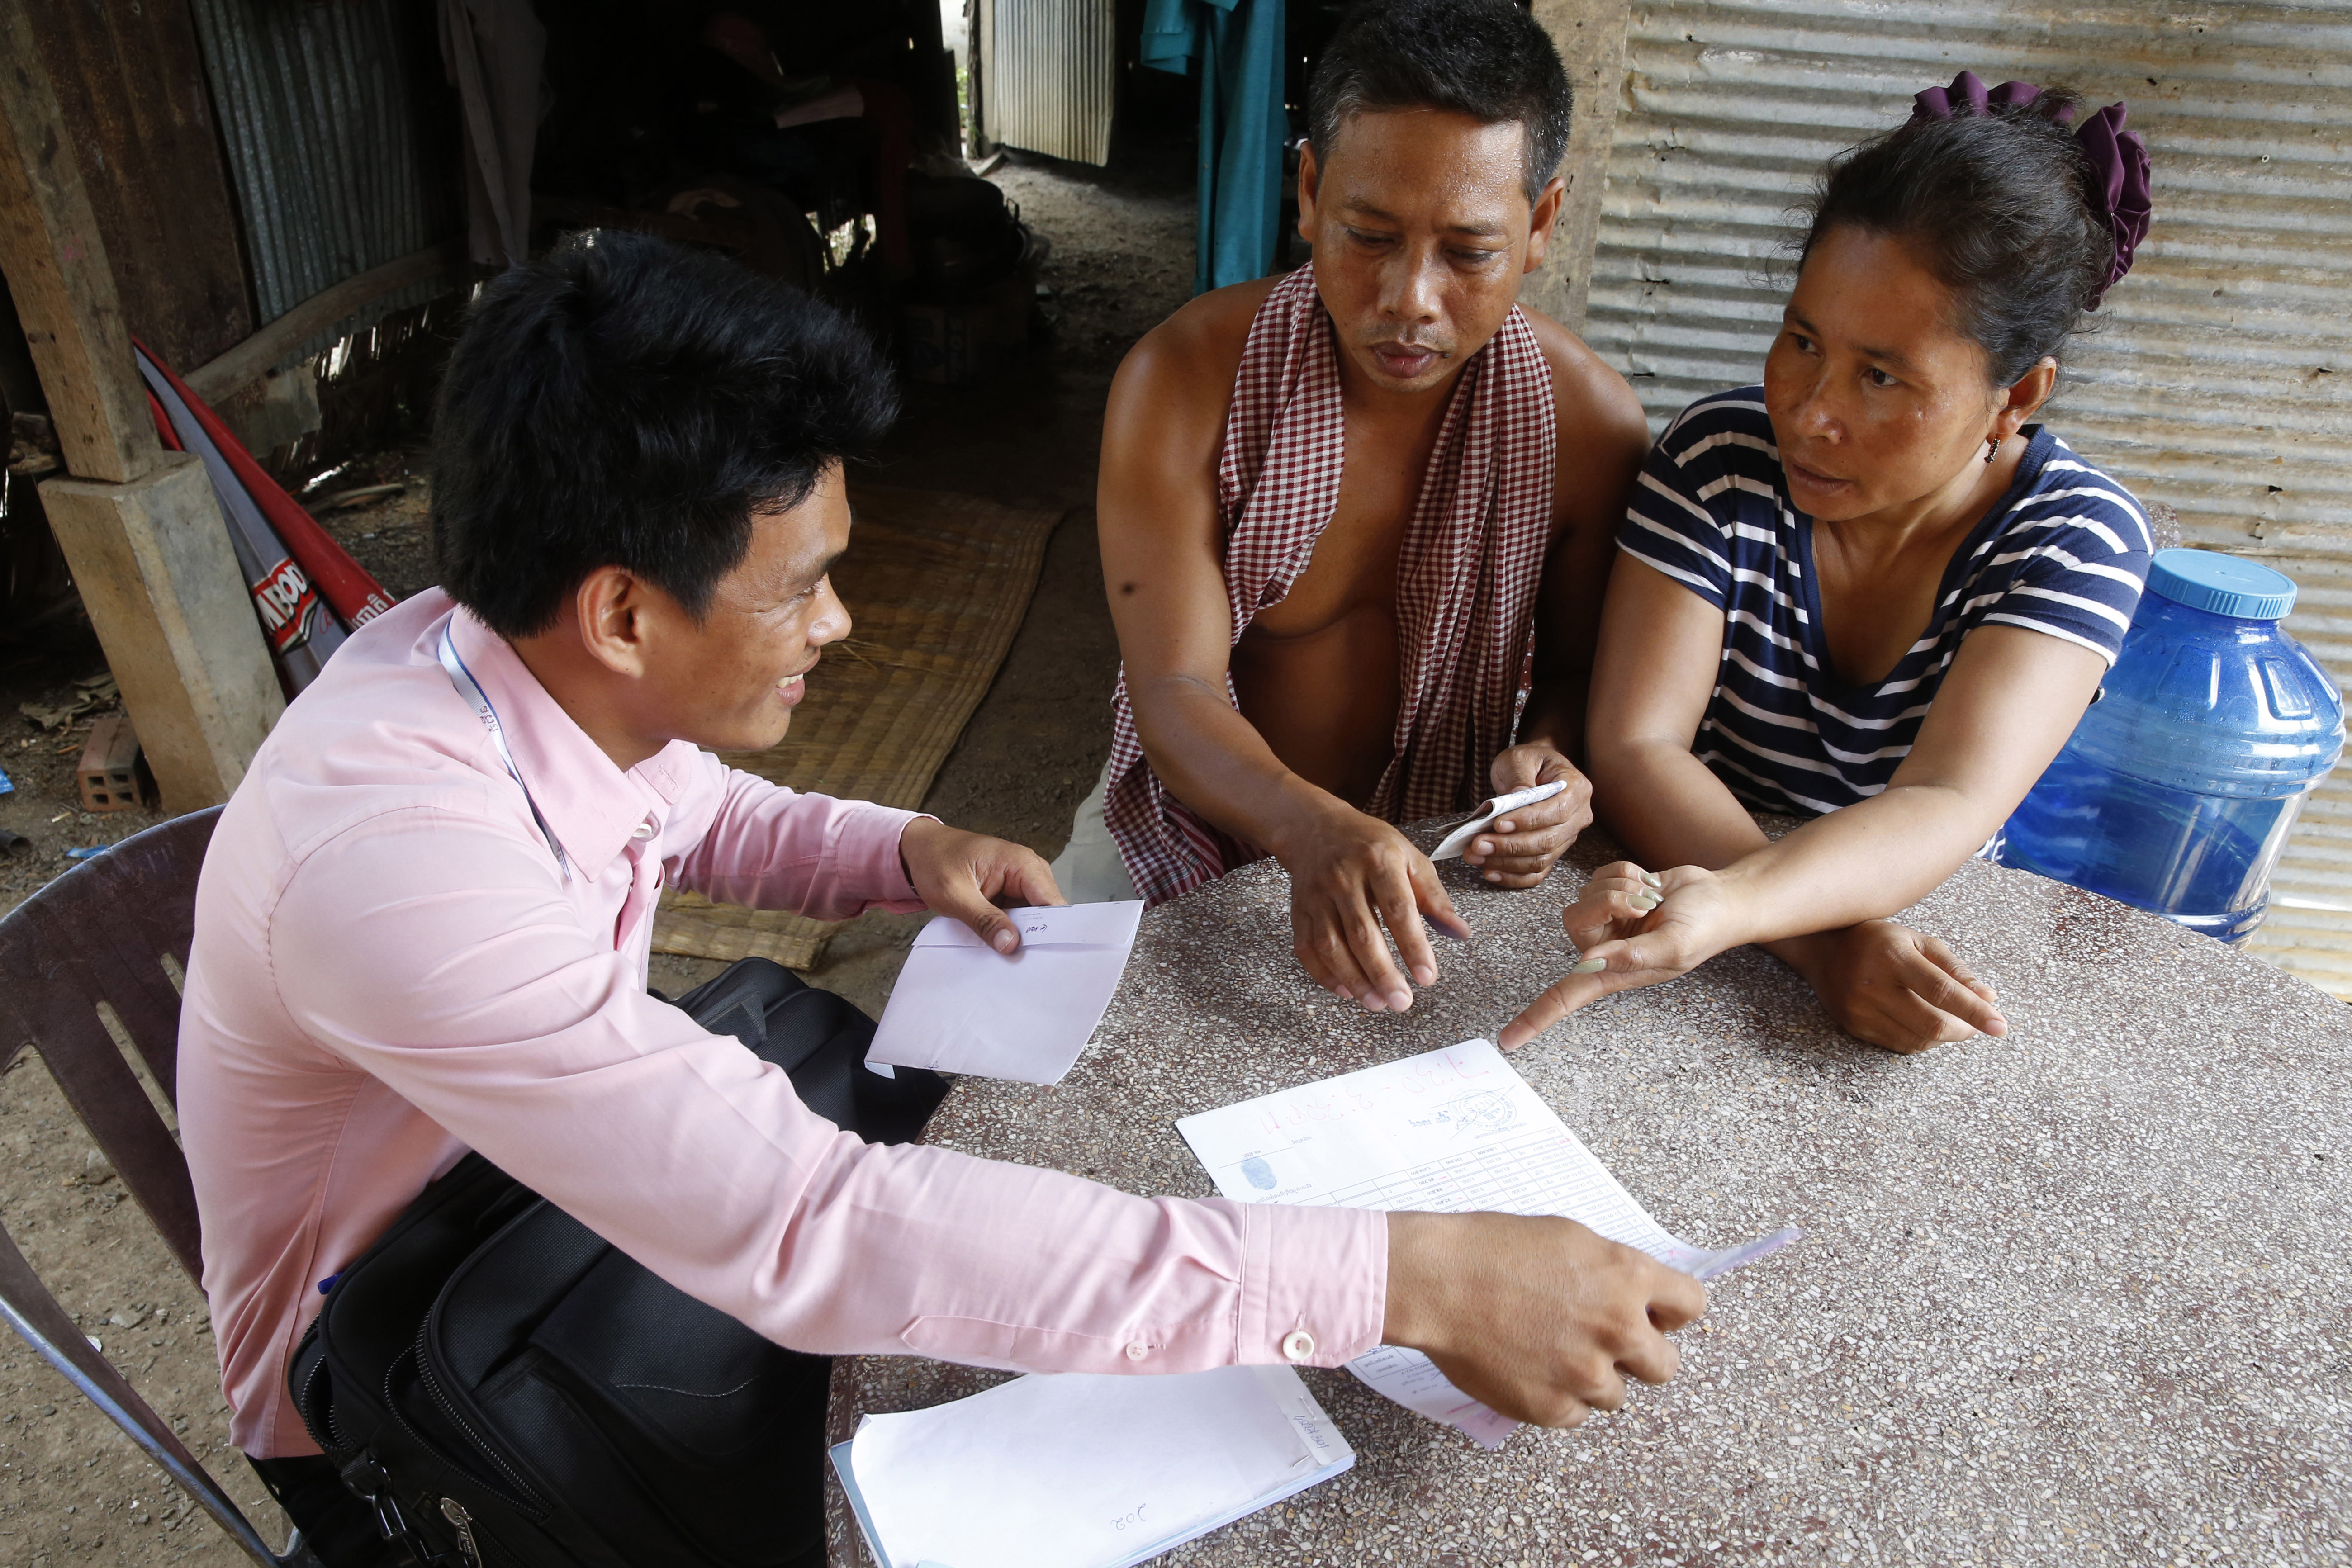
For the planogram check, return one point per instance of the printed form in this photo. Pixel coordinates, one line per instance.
(1450, 1131)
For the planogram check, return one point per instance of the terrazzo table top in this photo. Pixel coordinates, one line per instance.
(2083, 1294)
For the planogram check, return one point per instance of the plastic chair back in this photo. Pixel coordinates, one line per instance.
(90, 973)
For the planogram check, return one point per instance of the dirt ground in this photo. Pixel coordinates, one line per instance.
(1123, 249)
(75, 1491)
(40, 815)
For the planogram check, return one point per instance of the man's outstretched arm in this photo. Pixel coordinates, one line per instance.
(1163, 569)
(486, 1004)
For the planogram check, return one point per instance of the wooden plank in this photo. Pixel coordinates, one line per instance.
(54, 257)
(254, 358)
(159, 579)
(131, 87)
(1591, 36)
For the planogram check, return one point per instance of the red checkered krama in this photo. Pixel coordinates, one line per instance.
(1466, 576)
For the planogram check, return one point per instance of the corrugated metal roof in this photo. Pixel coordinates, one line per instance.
(341, 139)
(1047, 74)
(2221, 377)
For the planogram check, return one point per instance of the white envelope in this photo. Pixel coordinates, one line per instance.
(962, 1006)
(1451, 846)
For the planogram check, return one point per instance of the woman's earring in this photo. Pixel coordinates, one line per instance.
(1992, 445)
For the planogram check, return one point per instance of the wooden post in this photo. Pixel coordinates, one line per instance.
(160, 580)
(1591, 36)
(136, 108)
(980, 33)
(56, 269)
(140, 527)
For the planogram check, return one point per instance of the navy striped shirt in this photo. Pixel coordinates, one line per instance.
(2064, 553)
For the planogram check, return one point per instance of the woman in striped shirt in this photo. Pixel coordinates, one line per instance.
(1871, 592)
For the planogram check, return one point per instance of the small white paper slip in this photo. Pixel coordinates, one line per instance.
(1412, 1380)
(1448, 1131)
(1082, 1472)
(1449, 848)
(962, 1006)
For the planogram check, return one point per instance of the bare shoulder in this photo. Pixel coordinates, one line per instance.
(1183, 370)
(1595, 404)
(1165, 422)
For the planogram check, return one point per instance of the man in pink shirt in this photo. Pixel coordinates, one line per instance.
(423, 925)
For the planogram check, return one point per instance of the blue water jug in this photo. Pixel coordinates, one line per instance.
(2177, 789)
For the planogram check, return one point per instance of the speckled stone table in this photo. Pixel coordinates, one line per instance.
(2083, 1294)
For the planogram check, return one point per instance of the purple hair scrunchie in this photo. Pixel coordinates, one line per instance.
(1967, 95)
(2119, 158)
(2120, 174)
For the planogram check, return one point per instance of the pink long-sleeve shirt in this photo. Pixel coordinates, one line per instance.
(390, 969)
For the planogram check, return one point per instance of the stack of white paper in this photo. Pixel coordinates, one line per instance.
(1450, 1131)
(961, 1006)
(1079, 1471)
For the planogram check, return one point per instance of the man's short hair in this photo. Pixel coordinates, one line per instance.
(1488, 59)
(626, 402)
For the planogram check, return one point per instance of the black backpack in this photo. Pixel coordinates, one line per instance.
(506, 1390)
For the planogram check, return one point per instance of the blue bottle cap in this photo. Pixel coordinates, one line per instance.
(2224, 584)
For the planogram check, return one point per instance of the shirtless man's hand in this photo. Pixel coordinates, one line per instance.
(1520, 850)
(1349, 873)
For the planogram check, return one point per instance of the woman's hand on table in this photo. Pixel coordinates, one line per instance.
(1518, 851)
(1883, 982)
(1633, 928)
(974, 878)
(1892, 987)
(1539, 1318)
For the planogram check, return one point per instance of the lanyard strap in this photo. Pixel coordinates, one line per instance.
(471, 690)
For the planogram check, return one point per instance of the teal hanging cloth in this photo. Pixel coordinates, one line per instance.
(1238, 44)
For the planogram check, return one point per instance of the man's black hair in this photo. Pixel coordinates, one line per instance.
(626, 402)
(1488, 59)
(1999, 207)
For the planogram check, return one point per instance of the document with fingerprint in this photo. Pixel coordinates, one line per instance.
(1455, 1131)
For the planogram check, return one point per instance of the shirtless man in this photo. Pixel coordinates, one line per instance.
(1374, 686)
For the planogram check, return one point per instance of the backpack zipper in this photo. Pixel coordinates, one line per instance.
(449, 1408)
(302, 1402)
(454, 1512)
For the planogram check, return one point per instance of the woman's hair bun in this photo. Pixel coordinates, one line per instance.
(2118, 158)
(2027, 222)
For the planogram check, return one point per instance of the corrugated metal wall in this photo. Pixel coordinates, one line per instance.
(341, 137)
(1047, 75)
(2221, 379)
